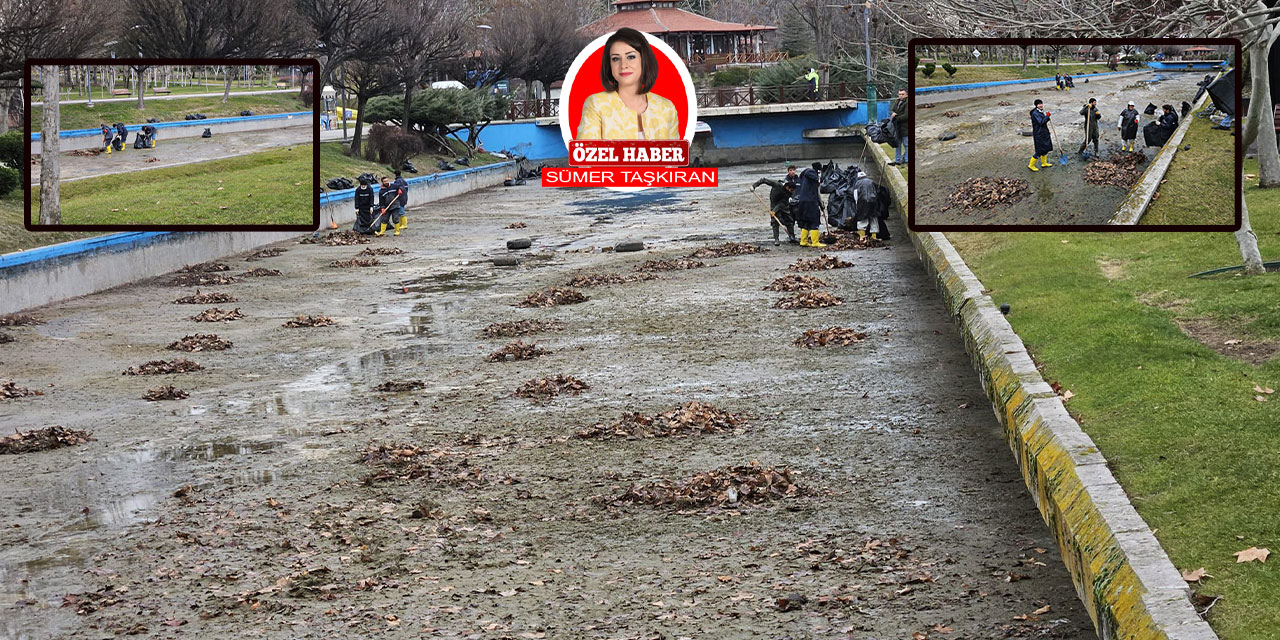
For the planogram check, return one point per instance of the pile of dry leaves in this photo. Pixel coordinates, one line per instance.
(201, 279)
(679, 264)
(43, 439)
(520, 328)
(166, 392)
(338, 239)
(518, 350)
(19, 320)
(215, 314)
(205, 298)
(850, 242)
(309, 321)
(601, 279)
(753, 483)
(927, 105)
(796, 283)
(398, 386)
(269, 252)
(206, 267)
(161, 367)
(544, 389)
(833, 337)
(726, 249)
(355, 262)
(985, 193)
(200, 342)
(1005, 103)
(517, 225)
(407, 462)
(10, 390)
(552, 297)
(381, 251)
(951, 114)
(1122, 169)
(823, 262)
(808, 300)
(690, 419)
(260, 272)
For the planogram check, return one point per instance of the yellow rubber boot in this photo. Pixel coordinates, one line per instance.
(397, 229)
(1044, 160)
(382, 231)
(815, 239)
(404, 222)
(875, 236)
(862, 233)
(804, 237)
(1032, 165)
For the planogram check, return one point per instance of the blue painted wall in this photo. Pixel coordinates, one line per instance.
(81, 133)
(728, 132)
(1182, 66)
(980, 85)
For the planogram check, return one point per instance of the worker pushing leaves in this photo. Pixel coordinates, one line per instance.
(780, 214)
(1091, 118)
(1040, 135)
(808, 215)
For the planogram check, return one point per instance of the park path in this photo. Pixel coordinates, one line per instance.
(259, 504)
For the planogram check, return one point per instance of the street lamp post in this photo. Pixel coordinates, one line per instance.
(871, 87)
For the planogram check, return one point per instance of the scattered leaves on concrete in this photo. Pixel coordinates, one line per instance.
(553, 297)
(269, 252)
(516, 225)
(726, 249)
(847, 241)
(808, 300)
(93, 601)
(927, 105)
(54, 437)
(951, 114)
(823, 262)
(679, 264)
(162, 367)
(355, 262)
(214, 314)
(793, 282)
(200, 342)
(393, 462)
(261, 272)
(544, 389)
(206, 267)
(1122, 169)
(833, 337)
(381, 251)
(742, 484)
(986, 193)
(6, 338)
(690, 419)
(166, 392)
(520, 328)
(309, 321)
(338, 239)
(19, 320)
(201, 279)
(518, 350)
(206, 298)
(399, 386)
(10, 390)
(600, 279)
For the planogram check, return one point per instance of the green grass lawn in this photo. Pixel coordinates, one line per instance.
(1178, 421)
(965, 75)
(268, 187)
(15, 237)
(79, 116)
(334, 163)
(1199, 185)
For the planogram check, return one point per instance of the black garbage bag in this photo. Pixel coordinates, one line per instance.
(207, 133)
(153, 120)
(463, 161)
(201, 116)
(444, 166)
(246, 112)
(117, 143)
(1223, 91)
(513, 182)
(1151, 109)
(885, 201)
(408, 166)
(142, 141)
(189, 117)
(1186, 108)
(1154, 135)
(340, 183)
(368, 178)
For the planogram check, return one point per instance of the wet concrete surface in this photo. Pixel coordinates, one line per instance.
(240, 510)
(178, 151)
(988, 143)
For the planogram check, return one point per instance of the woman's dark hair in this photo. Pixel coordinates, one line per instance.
(1167, 107)
(1038, 102)
(648, 62)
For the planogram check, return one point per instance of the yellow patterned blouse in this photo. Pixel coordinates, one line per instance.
(605, 117)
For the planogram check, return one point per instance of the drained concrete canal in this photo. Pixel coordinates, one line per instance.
(699, 474)
(988, 143)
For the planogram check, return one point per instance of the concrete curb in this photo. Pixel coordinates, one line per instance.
(949, 93)
(1139, 198)
(46, 275)
(78, 139)
(1121, 573)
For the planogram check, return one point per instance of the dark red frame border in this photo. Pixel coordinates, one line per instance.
(315, 145)
(911, 104)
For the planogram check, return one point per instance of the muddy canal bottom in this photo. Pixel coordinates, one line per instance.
(381, 476)
(989, 143)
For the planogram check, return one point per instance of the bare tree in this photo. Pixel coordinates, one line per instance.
(40, 29)
(434, 31)
(333, 27)
(50, 168)
(367, 72)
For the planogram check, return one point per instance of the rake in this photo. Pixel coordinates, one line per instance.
(1062, 154)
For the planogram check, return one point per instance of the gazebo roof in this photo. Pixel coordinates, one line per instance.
(1210, 49)
(665, 20)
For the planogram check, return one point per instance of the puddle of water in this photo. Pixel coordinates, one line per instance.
(644, 201)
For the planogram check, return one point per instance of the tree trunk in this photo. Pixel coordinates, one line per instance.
(142, 91)
(226, 88)
(355, 137)
(408, 103)
(5, 94)
(1248, 241)
(50, 208)
(1260, 117)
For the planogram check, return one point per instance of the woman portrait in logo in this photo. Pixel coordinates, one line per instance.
(626, 110)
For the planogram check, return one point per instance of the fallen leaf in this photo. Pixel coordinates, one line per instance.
(174, 623)
(1251, 554)
(1260, 398)
(1267, 390)
(507, 594)
(1066, 395)
(941, 629)
(1230, 342)
(919, 636)
(904, 591)
(1042, 610)
(1195, 576)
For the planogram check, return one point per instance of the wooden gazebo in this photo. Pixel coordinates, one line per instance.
(696, 38)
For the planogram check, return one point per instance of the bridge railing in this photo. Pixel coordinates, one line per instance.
(720, 97)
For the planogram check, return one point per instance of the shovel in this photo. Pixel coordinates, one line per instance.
(1062, 154)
